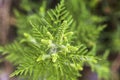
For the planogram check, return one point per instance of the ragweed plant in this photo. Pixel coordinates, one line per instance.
(47, 51)
(50, 51)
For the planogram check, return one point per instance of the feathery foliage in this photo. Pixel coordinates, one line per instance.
(47, 50)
